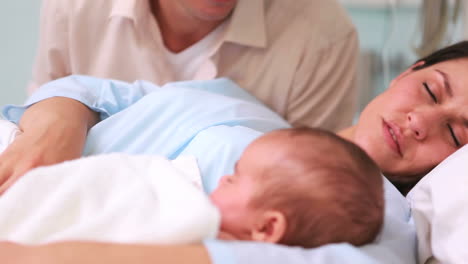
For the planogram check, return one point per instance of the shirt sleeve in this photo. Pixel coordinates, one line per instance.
(107, 97)
(52, 55)
(324, 92)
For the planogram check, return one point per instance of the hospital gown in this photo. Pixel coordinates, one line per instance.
(213, 121)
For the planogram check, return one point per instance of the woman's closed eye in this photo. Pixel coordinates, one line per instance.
(429, 91)
(454, 136)
(434, 98)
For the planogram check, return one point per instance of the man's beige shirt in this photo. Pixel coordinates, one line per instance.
(297, 56)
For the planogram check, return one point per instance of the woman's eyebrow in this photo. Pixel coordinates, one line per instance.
(447, 86)
(449, 90)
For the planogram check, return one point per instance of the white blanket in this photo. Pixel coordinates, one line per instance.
(113, 197)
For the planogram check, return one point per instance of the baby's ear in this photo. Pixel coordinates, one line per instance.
(270, 226)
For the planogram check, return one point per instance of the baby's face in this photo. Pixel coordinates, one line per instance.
(234, 192)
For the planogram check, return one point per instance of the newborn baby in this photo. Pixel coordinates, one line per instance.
(302, 187)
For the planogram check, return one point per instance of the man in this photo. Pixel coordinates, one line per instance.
(298, 57)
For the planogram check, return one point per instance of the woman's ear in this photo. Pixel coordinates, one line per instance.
(269, 227)
(408, 71)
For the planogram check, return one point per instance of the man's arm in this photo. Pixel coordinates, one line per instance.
(91, 253)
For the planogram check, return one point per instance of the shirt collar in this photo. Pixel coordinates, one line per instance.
(132, 9)
(247, 24)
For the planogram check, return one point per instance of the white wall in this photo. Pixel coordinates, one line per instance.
(19, 27)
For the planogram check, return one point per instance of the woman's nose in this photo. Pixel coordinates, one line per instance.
(418, 125)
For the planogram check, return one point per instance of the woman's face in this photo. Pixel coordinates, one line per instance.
(420, 120)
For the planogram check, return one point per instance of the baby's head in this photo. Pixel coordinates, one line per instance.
(302, 187)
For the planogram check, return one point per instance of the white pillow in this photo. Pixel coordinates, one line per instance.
(439, 205)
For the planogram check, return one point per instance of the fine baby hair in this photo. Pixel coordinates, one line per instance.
(328, 189)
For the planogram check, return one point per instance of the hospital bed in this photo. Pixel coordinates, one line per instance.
(395, 244)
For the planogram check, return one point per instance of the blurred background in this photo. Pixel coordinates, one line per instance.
(19, 28)
(393, 34)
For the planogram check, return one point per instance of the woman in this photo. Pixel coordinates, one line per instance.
(409, 129)
(421, 119)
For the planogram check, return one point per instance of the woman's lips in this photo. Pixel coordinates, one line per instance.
(391, 136)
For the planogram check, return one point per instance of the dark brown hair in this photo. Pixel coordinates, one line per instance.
(456, 51)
